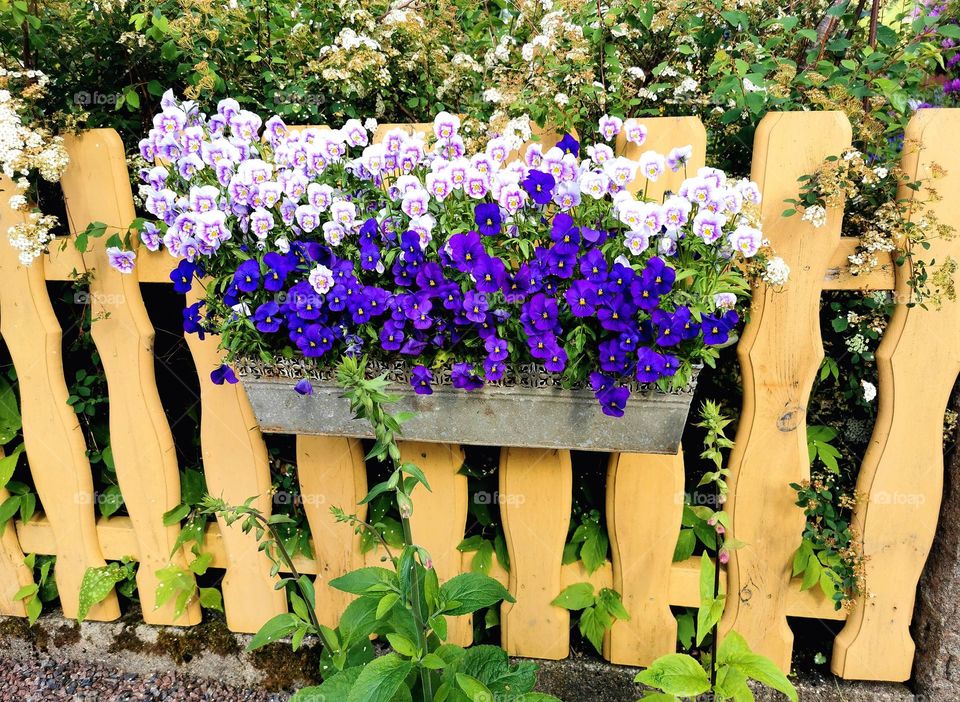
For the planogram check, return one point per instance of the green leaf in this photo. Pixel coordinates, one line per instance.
(472, 591)
(175, 515)
(433, 662)
(708, 615)
(360, 581)
(275, 629)
(708, 572)
(685, 629)
(676, 674)
(210, 598)
(358, 620)
(8, 464)
(10, 422)
(110, 500)
(386, 603)
(686, 542)
(380, 679)
(574, 597)
(594, 623)
(593, 553)
(402, 645)
(735, 651)
(8, 509)
(474, 689)
(336, 687)
(96, 584)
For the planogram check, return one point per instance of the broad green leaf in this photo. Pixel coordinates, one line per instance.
(380, 679)
(574, 597)
(276, 628)
(709, 613)
(358, 620)
(210, 598)
(686, 542)
(472, 591)
(336, 687)
(96, 584)
(676, 674)
(359, 581)
(402, 645)
(735, 651)
(474, 689)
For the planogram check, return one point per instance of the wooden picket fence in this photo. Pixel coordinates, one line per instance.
(780, 352)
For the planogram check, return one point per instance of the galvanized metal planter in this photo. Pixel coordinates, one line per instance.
(526, 409)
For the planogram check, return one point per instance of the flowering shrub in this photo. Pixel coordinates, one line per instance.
(28, 151)
(317, 242)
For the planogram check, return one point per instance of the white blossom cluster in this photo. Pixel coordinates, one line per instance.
(26, 150)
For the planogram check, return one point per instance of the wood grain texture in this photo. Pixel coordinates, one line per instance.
(332, 473)
(236, 467)
(642, 542)
(440, 517)
(780, 353)
(55, 447)
(96, 187)
(536, 491)
(902, 472)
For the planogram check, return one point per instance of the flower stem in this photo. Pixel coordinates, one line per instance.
(426, 680)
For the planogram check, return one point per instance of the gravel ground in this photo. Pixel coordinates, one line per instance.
(45, 679)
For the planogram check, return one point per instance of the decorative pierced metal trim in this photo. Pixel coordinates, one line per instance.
(523, 375)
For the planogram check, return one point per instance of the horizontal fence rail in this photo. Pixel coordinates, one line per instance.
(780, 352)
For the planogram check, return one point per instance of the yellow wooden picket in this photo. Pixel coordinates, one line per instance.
(780, 352)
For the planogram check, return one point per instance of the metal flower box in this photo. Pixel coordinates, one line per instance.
(527, 409)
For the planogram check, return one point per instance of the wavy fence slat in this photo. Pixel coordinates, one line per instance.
(14, 573)
(96, 187)
(642, 542)
(780, 353)
(536, 492)
(236, 467)
(902, 472)
(440, 516)
(55, 447)
(332, 473)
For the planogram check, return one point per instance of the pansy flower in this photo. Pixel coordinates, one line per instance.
(487, 217)
(650, 365)
(223, 374)
(267, 318)
(247, 276)
(421, 379)
(539, 186)
(463, 377)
